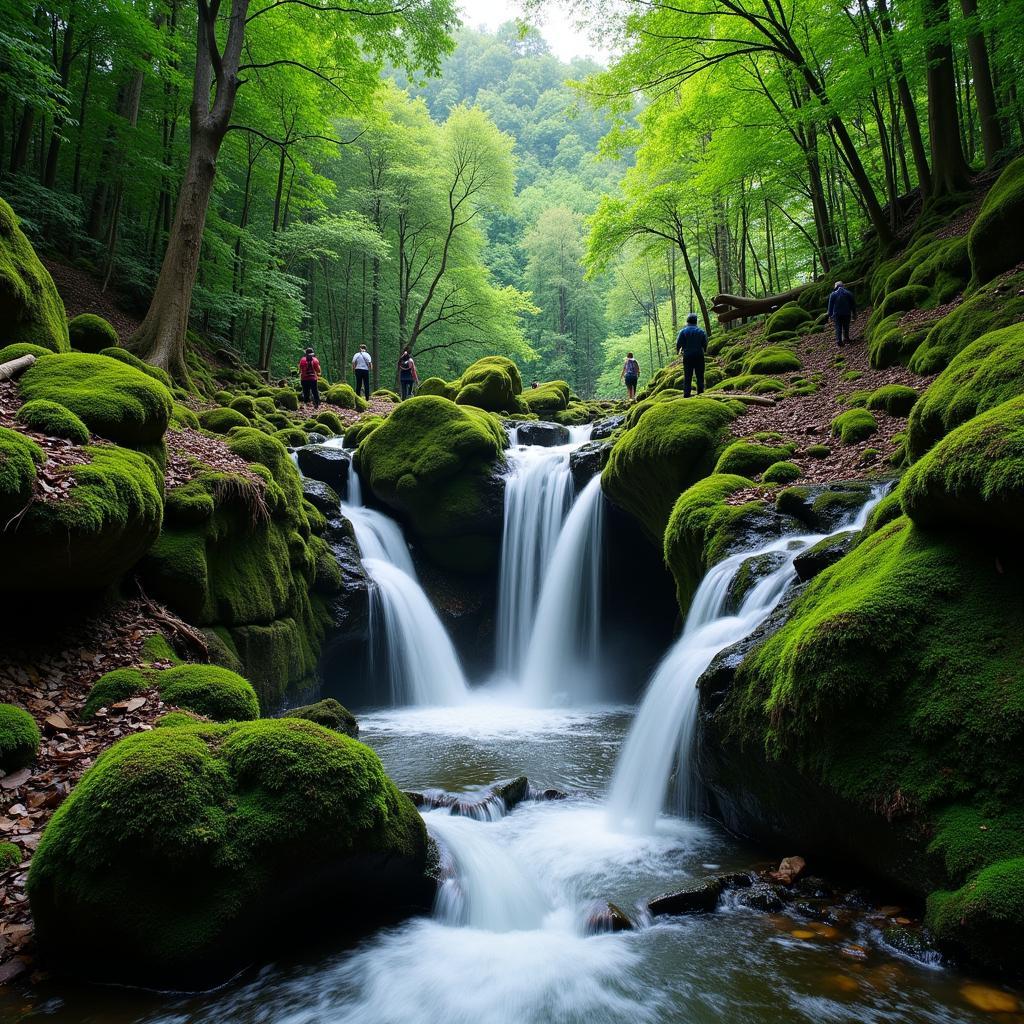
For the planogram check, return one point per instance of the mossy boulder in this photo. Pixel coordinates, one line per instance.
(19, 738)
(356, 432)
(113, 687)
(547, 398)
(209, 690)
(854, 425)
(785, 320)
(344, 397)
(111, 398)
(10, 856)
(22, 348)
(52, 419)
(772, 359)
(673, 443)
(185, 852)
(19, 457)
(328, 713)
(748, 458)
(31, 309)
(974, 477)
(783, 472)
(986, 373)
(492, 383)
(122, 355)
(437, 387)
(824, 507)
(436, 463)
(895, 399)
(91, 333)
(995, 241)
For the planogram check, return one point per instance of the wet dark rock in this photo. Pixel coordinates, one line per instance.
(816, 888)
(329, 465)
(321, 496)
(345, 642)
(587, 461)
(824, 507)
(736, 880)
(553, 794)
(826, 552)
(607, 917)
(603, 429)
(547, 435)
(750, 573)
(761, 897)
(315, 438)
(497, 801)
(699, 897)
(913, 942)
(513, 792)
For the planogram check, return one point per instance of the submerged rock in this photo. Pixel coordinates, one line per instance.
(607, 917)
(547, 435)
(699, 897)
(328, 465)
(761, 897)
(512, 792)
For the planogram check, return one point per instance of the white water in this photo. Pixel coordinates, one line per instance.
(662, 733)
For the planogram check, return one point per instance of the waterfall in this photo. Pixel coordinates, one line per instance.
(662, 733)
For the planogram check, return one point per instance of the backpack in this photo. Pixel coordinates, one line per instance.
(405, 363)
(632, 368)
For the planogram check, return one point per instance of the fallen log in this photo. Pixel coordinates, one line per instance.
(15, 367)
(734, 307)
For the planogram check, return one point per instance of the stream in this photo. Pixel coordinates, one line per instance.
(508, 941)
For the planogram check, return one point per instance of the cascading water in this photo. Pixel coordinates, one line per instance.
(662, 733)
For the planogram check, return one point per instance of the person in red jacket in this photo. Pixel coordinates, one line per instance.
(309, 374)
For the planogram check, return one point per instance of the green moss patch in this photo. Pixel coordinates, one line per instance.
(209, 690)
(547, 398)
(995, 241)
(52, 419)
(772, 360)
(91, 333)
(854, 425)
(781, 473)
(10, 856)
(492, 383)
(785, 320)
(19, 738)
(747, 458)
(328, 713)
(19, 457)
(895, 399)
(344, 397)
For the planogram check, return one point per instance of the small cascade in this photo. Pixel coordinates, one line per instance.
(663, 732)
(562, 657)
(488, 887)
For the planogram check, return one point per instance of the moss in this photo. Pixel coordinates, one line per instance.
(22, 348)
(851, 375)
(746, 458)
(672, 444)
(327, 574)
(113, 687)
(209, 690)
(781, 473)
(330, 714)
(356, 432)
(183, 416)
(893, 343)
(52, 419)
(492, 383)
(550, 397)
(888, 510)
(386, 394)
(31, 310)
(10, 856)
(974, 476)
(221, 421)
(344, 397)
(331, 421)
(19, 738)
(245, 405)
(181, 850)
(701, 528)
(157, 648)
(91, 333)
(130, 359)
(818, 451)
(112, 398)
(176, 719)
(995, 242)
(853, 426)
(91, 536)
(19, 457)
(437, 387)
(986, 373)
(944, 268)
(285, 398)
(895, 399)
(292, 436)
(785, 319)
(575, 414)
(772, 360)
(222, 649)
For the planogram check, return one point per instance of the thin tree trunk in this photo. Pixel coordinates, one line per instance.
(984, 92)
(76, 177)
(950, 173)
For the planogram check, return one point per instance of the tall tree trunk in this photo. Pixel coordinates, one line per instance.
(113, 233)
(23, 140)
(950, 173)
(76, 177)
(984, 92)
(53, 150)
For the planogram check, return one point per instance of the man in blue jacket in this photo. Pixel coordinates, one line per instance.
(692, 342)
(842, 308)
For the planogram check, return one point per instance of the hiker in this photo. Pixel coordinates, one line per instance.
(842, 308)
(361, 364)
(309, 374)
(630, 375)
(692, 343)
(407, 375)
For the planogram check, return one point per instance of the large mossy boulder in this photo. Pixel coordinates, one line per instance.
(19, 738)
(19, 457)
(31, 309)
(91, 333)
(547, 398)
(672, 442)
(785, 320)
(985, 374)
(438, 463)
(492, 383)
(995, 240)
(974, 477)
(112, 398)
(186, 852)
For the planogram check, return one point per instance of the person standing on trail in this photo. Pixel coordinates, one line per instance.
(630, 375)
(361, 364)
(692, 343)
(309, 374)
(842, 308)
(407, 374)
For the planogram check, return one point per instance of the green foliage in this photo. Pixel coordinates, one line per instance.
(853, 426)
(112, 398)
(209, 690)
(994, 241)
(52, 419)
(30, 308)
(895, 399)
(91, 333)
(19, 738)
(781, 473)
(124, 356)
(818, 451)
(328, 713)
(747, 458)
(173, 853)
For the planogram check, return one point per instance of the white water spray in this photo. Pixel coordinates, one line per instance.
(662, 733)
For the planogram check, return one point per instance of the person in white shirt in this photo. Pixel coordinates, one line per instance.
(361, 363)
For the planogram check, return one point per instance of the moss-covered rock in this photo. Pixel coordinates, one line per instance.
(786, 319)
(748, 458)
(31, 310)
(437, 387)
(113, 687)
(293, 437)
(436, 462)
(772, 359)
(995, 241)
(19, 738)
(895, 399)
(91, 333)
(547, 398)
(122, 355)
(328, 713)
(492, 383)
(22, 348)
(10, 856)
(783, 472)
(19, 457)
(209, 690)
(184, 852)
(344, 397)
(974, 477)
(986, 373)
(824, 507)
(111, 398)
(673, 443)
(854, 425)
(52, 419)
(356, 432)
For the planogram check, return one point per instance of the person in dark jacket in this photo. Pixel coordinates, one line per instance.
(309, 375)
(630, 375)
(842, 308)
(407, 375)
(692, 343)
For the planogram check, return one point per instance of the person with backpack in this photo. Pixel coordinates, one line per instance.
(361, 365)
(407, 375)
(309, 375)
(842, 308)
(692, 343)
(630, 375)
